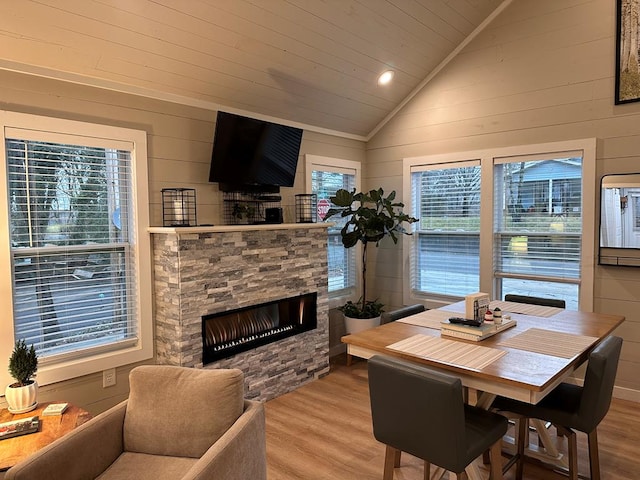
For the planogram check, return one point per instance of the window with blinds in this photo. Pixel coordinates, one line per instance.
(445, 254)
(341, 261)
(538, 226)
(71, 247)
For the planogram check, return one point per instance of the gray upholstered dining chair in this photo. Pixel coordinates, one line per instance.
(422, 412)
(571, 407)
(403, 312)
(543, 302)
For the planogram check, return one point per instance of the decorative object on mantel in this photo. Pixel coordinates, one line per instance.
(306, 208)
(372, 219)
(22, 395)
(179, 207)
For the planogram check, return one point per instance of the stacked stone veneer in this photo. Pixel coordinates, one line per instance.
(197, 274)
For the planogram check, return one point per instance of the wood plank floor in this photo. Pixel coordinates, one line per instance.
(322, 431)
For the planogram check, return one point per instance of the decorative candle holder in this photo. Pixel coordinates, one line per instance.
(179, 207)
(306, 208)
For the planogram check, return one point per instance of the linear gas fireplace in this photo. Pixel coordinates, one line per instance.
(228, 333)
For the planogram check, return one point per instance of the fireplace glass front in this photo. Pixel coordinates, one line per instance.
(227, 333)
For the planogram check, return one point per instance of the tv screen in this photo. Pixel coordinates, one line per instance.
(250, 152)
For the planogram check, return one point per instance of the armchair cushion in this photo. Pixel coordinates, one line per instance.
(145, 431)
(142, 466)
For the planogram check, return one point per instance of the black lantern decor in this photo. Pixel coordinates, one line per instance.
(306, 208)
(179, 207)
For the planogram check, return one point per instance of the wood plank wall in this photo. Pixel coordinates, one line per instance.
(179, 147)
(543, 71)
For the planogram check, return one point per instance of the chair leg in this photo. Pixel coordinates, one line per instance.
(496, 461)
(463, 476)
(594, 457)
(523, 426)
(572, 448)
(389, 460)
(396, 459)
(427, 470)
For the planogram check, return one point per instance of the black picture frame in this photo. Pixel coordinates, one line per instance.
(627, 82)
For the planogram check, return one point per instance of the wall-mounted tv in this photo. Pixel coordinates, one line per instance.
(251, 154)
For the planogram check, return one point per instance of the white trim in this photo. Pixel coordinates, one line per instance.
(586, 147)
(141, 238)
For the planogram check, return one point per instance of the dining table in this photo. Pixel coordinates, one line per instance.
(542, 347)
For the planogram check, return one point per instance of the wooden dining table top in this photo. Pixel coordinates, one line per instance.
(519, 372)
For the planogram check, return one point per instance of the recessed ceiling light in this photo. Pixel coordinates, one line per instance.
(386, 77)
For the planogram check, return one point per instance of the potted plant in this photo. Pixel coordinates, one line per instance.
(22, 395)
(371, 217)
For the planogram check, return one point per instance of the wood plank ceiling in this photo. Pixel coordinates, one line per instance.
(306, 62)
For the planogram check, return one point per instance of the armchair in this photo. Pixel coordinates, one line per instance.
(178, 423)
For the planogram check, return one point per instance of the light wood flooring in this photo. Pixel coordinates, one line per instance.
(322, 431)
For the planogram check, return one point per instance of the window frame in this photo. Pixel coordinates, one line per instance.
(330, 164)
(144, 348)
(488, 158)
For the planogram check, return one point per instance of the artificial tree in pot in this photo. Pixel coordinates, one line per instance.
(22, 395)
(371, 217)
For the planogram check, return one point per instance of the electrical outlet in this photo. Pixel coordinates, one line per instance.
(108, 377)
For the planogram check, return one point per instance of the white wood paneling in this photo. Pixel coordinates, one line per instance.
(179, 147)
(541, 72)
(310, 62)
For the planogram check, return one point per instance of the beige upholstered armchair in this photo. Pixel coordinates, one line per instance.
(178, 423)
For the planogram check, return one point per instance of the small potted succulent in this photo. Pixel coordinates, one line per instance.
(22, 395)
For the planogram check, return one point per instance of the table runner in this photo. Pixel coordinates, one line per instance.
(525, 308)
(451, 352)
(429, 318)
(548, 342)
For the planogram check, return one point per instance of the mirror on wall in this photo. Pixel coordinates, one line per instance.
(620, 220)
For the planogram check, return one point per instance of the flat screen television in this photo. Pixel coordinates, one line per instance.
(251, 154)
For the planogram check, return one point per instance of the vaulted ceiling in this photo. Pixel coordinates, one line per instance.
(312, 63)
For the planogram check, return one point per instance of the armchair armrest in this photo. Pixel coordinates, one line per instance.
(83, 453)
(240, 453)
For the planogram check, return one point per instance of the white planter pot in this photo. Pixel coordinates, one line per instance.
(22, 399)
(355, 325)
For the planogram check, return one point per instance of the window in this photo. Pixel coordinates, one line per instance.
(327, 176)
(76, 243)
(447, 246)
(538, 238)
(504, 221)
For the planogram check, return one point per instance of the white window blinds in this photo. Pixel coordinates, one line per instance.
(341, 261)
(538, 219)
(71, 244)
(446, 199)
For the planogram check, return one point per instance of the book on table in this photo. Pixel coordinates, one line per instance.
(468, 332)
(19, 427)
(54, 409)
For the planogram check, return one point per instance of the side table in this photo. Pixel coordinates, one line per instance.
(12, 450)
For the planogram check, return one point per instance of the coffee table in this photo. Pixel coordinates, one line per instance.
(12, 450)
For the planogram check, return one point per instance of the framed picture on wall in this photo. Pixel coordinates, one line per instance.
(627, 43)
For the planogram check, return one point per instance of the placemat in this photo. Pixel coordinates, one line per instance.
(451, 352)
(525, 308)
(548, 342)
(429, 318)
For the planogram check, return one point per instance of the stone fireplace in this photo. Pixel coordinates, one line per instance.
(207, 271)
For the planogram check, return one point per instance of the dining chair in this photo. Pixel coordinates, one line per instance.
(403, 312)
(422, 412)
(571, 407)
(543, 302)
